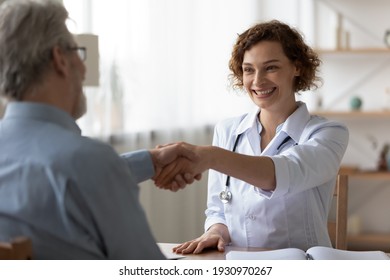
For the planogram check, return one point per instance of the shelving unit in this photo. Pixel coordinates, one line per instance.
(376, 62)
(354, 114)
(364, 240)
(369, 240)
(370, 175)
(358, 65)
(371, 51)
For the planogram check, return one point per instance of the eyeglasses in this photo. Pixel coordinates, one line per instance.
(81, 51)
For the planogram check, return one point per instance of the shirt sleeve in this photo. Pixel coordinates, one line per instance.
(313, 162)
(215, 208)
(140, 163)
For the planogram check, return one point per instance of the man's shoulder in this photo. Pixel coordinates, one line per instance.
(86, 147)
(67, 148)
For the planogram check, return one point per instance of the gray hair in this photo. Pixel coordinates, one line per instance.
(29, 29)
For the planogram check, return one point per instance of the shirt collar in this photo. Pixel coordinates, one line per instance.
(249, 121)
(293, 126)
(296, 122)
(41, 112)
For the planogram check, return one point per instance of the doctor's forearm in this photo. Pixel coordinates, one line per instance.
(255, 170)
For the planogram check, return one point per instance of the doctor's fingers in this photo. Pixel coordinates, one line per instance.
(186, 247)
(179, 183)
(182, 180)
(208, 242)
(197, 245)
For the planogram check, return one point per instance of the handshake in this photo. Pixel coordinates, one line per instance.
(179, 164)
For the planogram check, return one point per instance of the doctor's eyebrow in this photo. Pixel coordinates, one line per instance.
(264, 63)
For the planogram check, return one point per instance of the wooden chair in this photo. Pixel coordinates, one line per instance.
(338, 229)
(19, 248)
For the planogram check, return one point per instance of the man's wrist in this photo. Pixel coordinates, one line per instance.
(153, 156)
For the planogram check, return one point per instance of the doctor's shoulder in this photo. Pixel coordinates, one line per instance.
(318, 123)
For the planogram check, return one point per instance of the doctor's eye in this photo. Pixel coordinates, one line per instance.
(247, 70)
(271, 68)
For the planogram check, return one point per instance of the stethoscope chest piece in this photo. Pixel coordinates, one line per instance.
(225, 196)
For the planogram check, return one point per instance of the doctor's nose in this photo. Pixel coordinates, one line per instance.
(258, 79)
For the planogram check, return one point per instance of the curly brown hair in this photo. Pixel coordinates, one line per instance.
(293, 46)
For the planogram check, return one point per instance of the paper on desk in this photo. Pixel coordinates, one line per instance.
(325, 253)
(315, 253)
(281, 254)
(173, 256)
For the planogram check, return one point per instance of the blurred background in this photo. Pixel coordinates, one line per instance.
(163, 77)
(162, 72)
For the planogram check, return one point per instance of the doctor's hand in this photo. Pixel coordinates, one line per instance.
(216, 237)
(170, 154)
(182, 169)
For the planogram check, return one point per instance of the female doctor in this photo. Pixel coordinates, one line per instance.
(273, 170)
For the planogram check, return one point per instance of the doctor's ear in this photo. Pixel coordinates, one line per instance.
(298, 67)
(297, 71)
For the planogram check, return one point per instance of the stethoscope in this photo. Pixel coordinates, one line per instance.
(226, 195)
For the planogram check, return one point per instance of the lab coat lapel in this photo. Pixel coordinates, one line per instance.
(254, 141)
(248, 128)
(292, 128)
(272, 148)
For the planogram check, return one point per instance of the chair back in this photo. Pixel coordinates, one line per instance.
(19, 248)
(338, 229)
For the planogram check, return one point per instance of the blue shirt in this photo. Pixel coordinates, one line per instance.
(73, 196)
(306, 151)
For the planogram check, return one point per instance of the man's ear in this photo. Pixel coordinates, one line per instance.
(60, 60)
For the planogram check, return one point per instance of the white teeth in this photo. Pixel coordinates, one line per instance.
(264, 92)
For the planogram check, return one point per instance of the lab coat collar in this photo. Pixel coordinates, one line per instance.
(296, 122)
(249, 121)
(293, 126)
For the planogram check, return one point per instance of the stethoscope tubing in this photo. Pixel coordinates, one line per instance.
(226, 195)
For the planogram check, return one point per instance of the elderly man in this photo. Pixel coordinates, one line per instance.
(73, 196)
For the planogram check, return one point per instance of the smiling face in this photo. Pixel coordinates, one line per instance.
(268, 77)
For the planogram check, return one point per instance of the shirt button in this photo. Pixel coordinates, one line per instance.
(252, 217)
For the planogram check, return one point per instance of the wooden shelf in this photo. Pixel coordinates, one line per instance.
(354, 172)
(369, 241)
(370, 175)
(354, 51)
(353, 114)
